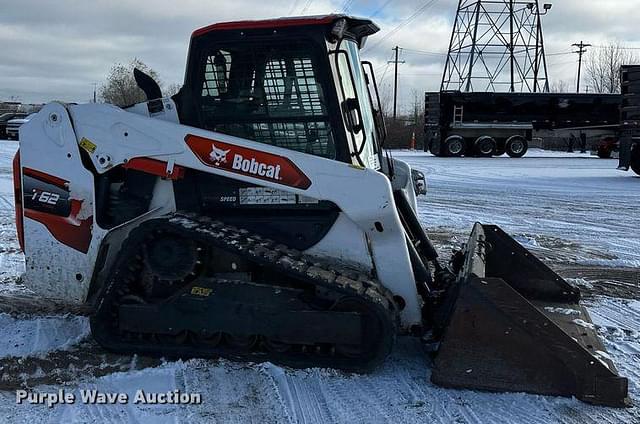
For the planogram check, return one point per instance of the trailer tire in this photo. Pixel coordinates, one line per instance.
(454, 146)
(604, 152)
(433, 150)
(485, 146)
(516, 146)
(634, 163)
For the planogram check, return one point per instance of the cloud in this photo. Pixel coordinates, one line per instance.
(58, 50)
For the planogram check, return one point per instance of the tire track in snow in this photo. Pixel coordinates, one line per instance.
(401, 392)
(231, 393)
(7, 204)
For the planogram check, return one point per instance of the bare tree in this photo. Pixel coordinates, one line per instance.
(603, 67)
(417, 107)
(172, 89)
(561, 86)
(386, 99)
(120, 88)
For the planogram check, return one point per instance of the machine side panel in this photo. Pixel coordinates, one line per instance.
(61, 239)
(363, 195)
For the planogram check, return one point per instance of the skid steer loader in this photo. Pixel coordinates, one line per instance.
(255, 216)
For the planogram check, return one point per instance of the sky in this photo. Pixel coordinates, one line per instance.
(59, 50)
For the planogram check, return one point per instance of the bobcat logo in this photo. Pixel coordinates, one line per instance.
(218, 156)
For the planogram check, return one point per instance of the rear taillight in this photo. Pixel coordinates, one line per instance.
(17, 190)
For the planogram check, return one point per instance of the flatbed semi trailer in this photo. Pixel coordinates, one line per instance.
(629, 141)
(491, 124)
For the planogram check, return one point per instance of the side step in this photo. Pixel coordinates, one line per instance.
(517, 326)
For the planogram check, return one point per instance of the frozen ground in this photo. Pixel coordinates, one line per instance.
(579, 208)
(578, 213)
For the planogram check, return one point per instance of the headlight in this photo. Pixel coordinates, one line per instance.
(419, 182)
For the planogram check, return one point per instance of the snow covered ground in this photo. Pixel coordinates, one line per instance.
(578, 206)
(578, 213)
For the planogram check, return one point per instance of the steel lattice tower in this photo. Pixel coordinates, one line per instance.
(497, 45)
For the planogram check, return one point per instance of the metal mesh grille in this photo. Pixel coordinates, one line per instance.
(216, 74)
(271, 96)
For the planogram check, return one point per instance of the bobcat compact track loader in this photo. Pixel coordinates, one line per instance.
(255, 216)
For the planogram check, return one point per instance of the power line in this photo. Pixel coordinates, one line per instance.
(380, 9)
(559, 53)
(404, 23)
(306, 6)
(424, 52)
(389, 62)
(347, 5)
(294, 7)
(420, 74)
(617, 47)
(385, 72)
(379, 68)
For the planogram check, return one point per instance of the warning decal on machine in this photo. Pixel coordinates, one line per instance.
(249, 162)
(266, 196)
(87, 145)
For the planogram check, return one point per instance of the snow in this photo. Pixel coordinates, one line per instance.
(583, 323)
(563, 311)
(29, 337)
(579, 206)
(11, 260)
(568, 208)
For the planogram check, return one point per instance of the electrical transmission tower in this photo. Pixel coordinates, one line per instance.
(497, 45)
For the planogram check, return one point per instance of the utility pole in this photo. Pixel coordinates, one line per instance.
(395, 82)
(582, 49)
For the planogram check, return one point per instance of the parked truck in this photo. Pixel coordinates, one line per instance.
(491, 124)
(629, 144)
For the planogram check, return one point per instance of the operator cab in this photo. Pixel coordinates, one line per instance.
(296, 83)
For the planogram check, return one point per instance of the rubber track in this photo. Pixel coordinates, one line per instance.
(269, 254)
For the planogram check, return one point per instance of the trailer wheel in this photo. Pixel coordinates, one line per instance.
(454, 146)
(604, 152)
(433, 150)
(516, 146)
(634, 163)
(485, 146)
(607, 145)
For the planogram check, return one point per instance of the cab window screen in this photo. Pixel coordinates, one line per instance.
(270, 94)
(216, 74)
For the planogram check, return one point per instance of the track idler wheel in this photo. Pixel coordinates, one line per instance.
(170, 257)
(170, 262)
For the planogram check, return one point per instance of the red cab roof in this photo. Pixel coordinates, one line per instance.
(269, 23)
